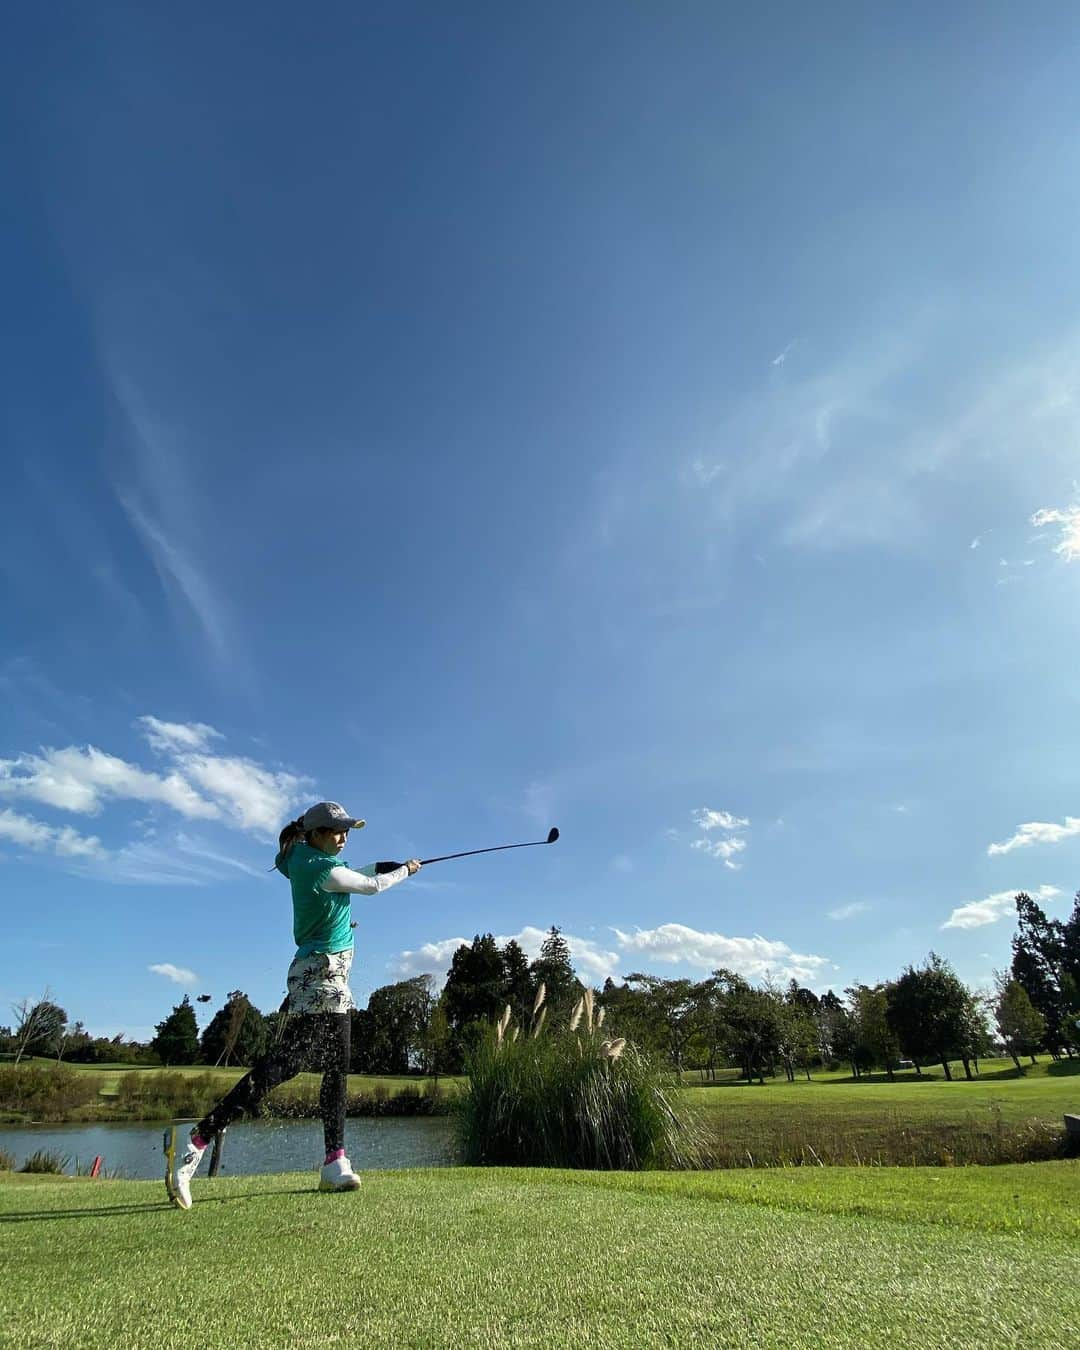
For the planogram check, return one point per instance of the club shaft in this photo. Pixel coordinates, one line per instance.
(472, 851)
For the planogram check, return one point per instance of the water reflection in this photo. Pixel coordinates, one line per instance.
(250, 1147)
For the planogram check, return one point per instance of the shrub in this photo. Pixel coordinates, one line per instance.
(569, 1097)
(44, 1161)
(7, 1161)
(161, 1096)
(47, 1092)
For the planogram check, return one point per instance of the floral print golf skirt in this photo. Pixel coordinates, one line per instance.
(320, 983)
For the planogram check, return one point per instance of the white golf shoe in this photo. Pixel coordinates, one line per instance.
(338, 1176)
(187, 1164)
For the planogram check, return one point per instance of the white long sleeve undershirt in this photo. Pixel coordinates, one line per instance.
(345, 881)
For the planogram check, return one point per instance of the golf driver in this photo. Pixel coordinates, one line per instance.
(553, 834)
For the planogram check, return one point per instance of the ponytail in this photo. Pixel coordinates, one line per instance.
(290, 836)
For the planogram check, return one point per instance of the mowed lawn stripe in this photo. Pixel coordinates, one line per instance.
(493, 1258)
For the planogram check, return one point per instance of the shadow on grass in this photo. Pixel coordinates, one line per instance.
(1063, 1068)
(109, 1211)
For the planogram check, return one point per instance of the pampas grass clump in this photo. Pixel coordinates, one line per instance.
(569, 1096)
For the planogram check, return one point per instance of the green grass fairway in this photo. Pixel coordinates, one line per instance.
(995, 1117)
(809, 1258)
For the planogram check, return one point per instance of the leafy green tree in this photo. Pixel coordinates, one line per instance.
(1020, 1025)
(748, 1021)
(876, 1042)
(554, 969)
(837, 1033)
(798, 1008)
(236, 1032)
(398, 1016)
(672, 1009)
(929, 1011)
(436, 1041)
(176, 1039)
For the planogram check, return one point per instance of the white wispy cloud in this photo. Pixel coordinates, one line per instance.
(537, 803)
(36, 835)
(708, 818)
(177, 974)
(1068, 546)
(1037, 832)
(849, 911)
(172, 860)
(753, 957)
(177, 736)
(726, 849)
(978, 913)
(705, 818)
(182, 575)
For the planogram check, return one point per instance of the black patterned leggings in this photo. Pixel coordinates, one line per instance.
(316, 1041)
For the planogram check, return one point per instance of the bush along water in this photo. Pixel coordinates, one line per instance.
(569, 1096)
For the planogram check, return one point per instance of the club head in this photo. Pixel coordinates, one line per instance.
(553, 835)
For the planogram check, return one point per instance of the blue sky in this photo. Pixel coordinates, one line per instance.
(659, 423)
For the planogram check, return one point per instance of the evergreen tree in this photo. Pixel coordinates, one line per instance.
(519, 989)
(177, 1038)
(554, 970)
(236, 1033)
(1039, 952)
(474, 993)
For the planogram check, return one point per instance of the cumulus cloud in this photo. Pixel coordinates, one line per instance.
(433, 958)
(250, 796)
(198, 784)
(1000, 905)
(177, 974)
(34, 834)
(753, 957)
(1068, 546)
(81, 779)
(1038, 832)
(589, 959)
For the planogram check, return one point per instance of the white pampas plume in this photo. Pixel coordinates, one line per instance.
(504, 1021)
(541, 994)
(539, 1023)
(587, 1000)
(514, 1032)
(617, 1048)
(575, 1016)
(600, 1012)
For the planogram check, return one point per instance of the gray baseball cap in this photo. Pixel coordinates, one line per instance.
(330, 816)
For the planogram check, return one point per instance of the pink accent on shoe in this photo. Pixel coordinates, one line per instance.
(334, 1155)
(199, 1141)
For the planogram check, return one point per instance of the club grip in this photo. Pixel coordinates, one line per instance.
(381, 867)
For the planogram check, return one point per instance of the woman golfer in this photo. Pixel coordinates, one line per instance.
(319, 1000)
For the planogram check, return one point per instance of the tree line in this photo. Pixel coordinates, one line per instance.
(926, 1015)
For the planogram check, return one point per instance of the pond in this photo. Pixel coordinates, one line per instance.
(135, 1150)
